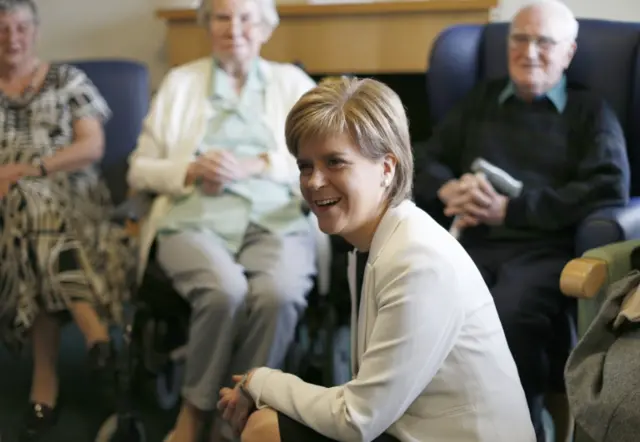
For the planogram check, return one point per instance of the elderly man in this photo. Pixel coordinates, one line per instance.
(568, 149)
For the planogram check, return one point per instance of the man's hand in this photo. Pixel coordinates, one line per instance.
(236, 406)
(456, 188)
(476, 202)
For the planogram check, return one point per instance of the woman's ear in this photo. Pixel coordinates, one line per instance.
(389, 169)
(266, 32)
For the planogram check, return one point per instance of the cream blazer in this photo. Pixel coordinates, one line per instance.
(430, 358)
(176, 125)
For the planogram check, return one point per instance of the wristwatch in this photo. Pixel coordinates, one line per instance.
(39, 164)
(242, 385)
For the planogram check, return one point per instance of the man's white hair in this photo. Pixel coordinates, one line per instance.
(268, 12)
(558, 10)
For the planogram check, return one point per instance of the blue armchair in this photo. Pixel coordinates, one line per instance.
(607, 61)
(125, 86)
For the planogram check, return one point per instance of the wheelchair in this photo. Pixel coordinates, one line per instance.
(156, 332)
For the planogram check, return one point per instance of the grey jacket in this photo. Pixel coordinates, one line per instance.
(603, 372)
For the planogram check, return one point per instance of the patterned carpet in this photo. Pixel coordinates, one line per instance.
(81, 417)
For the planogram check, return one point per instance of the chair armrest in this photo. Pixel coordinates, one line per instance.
(609, 225)
(586, 276)
(133, 209)
(583, 277)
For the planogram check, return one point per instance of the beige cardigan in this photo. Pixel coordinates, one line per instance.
(176, 125)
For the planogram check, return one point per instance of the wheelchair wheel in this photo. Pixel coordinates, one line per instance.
(153, 359)
(130, 429)
(168, 384)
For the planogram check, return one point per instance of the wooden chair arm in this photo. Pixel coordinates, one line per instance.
(583, 277)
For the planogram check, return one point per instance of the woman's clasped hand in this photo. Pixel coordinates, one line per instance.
(235, 405)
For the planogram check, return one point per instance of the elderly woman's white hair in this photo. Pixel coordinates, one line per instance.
(267, 8)
(11, 5)
(560, 11)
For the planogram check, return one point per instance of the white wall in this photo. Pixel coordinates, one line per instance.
(73, 29)
(625, 10)
(127, 28)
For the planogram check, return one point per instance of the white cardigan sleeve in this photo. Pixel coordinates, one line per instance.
(283, 167)
(419, 320)
(149, 167)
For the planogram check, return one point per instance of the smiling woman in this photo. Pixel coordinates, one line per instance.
(337, 151)
(429, 357)
(59, 254)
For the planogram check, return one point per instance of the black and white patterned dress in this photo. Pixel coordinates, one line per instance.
(56, 244)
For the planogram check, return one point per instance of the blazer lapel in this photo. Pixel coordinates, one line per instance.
(363, 310)
(351, 277)
(387, 226)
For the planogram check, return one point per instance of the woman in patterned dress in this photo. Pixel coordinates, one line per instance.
(59, 255)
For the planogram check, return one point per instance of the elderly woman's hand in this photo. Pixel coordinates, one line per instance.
(220, 166)
(13, 172)
(211, 188)
(5, 186)
(236, 406)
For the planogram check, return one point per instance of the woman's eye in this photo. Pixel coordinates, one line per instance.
(335, 163)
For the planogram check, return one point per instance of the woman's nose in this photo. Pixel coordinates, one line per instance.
(316, 180)
(12, 37)
(235, 26)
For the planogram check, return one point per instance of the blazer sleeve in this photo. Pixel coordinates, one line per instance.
(419, 320)
(150, 169)
(283, 167)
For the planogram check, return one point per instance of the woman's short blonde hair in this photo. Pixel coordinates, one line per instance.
(369, 112)
(267, 8)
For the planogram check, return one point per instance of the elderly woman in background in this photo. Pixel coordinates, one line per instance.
(59, 254)
(429, 357)
(227, 221)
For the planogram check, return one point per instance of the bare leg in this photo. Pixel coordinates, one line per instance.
(86, 317)
(221, 430)
(46, 343)
(188, 425)
(262, 426)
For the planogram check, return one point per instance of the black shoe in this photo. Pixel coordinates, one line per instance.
(39, 420)
(102, 363)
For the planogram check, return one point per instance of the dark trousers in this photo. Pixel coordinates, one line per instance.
(294, 431)
(524, 279)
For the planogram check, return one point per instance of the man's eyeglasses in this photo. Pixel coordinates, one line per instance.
(522, 41)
